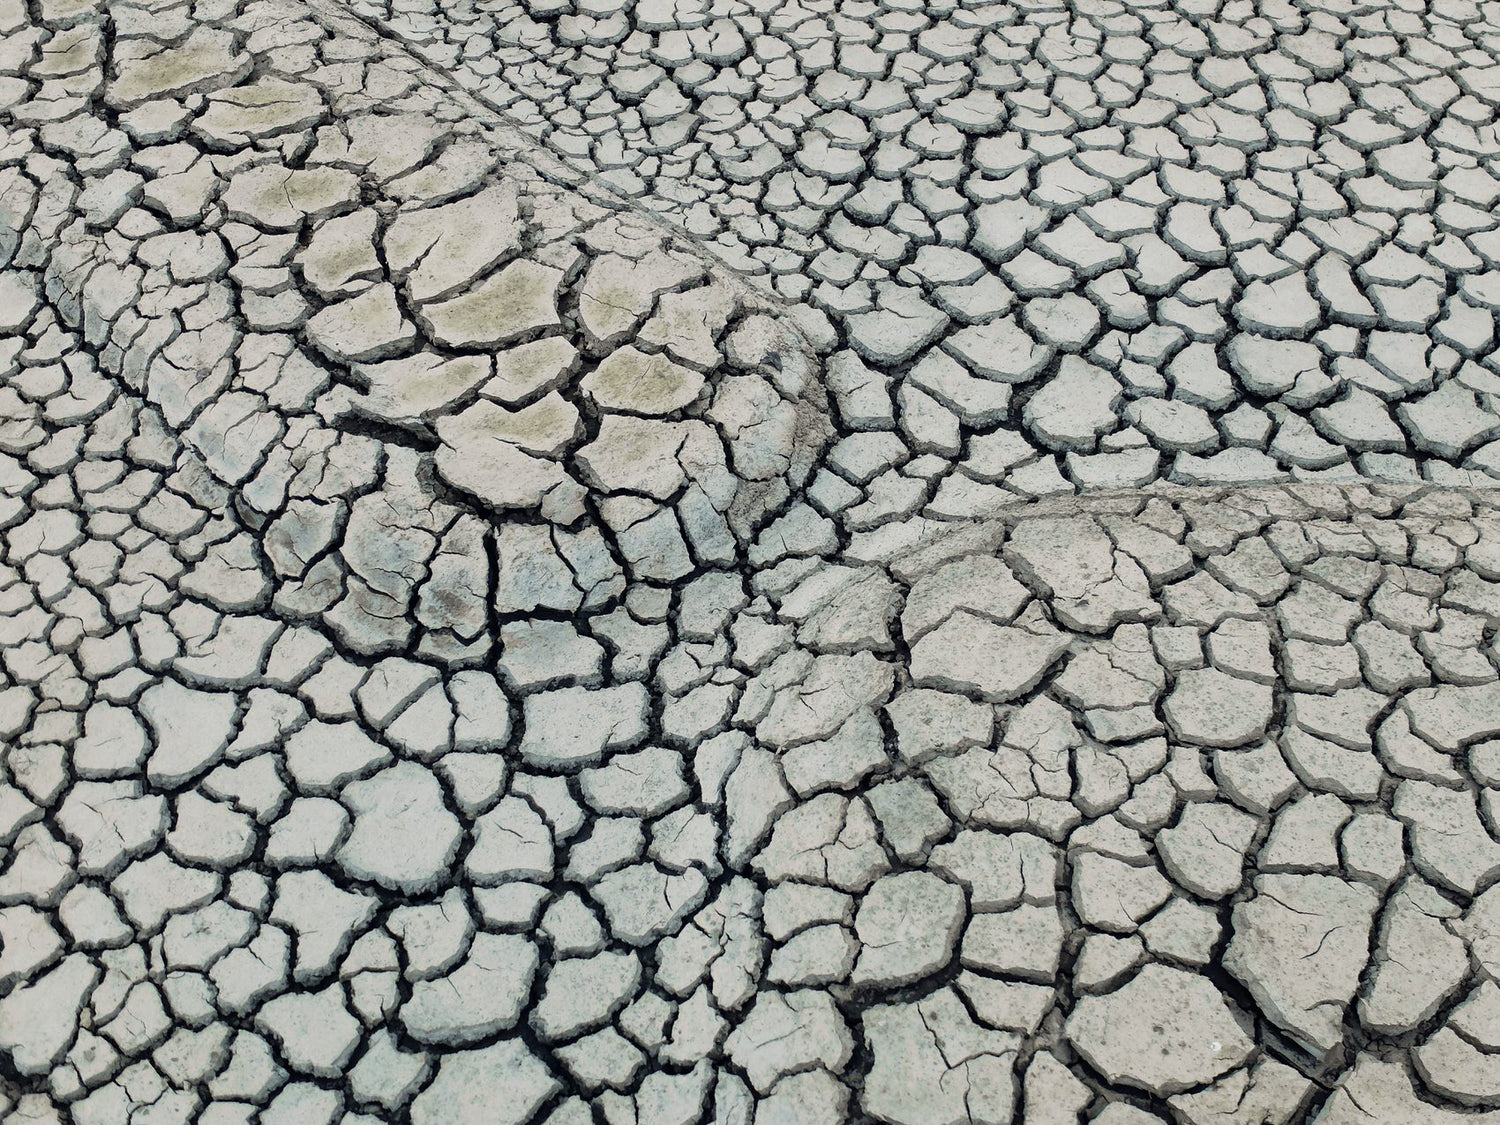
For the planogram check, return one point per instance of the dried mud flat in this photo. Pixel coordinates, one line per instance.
(766, 563)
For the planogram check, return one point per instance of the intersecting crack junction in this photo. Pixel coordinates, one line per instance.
(753, 562)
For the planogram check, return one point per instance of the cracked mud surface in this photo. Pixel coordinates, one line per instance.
(749, 563)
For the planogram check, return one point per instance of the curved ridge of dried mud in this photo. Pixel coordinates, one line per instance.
(471, 655)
